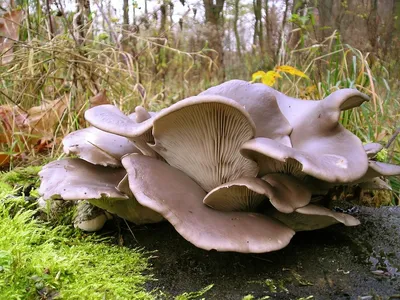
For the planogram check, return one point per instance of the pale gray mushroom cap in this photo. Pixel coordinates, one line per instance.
(297, 111)
(76, 179)
(260, 102)
(312, 217)
(372, 149)
(274, 157)
(178, 198)
(285, 193)
(107, 188)
(321, 146)
(110, 119)
(201, 136)
(98, 147)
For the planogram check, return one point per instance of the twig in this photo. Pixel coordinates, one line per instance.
(393, 138)
(131, 231)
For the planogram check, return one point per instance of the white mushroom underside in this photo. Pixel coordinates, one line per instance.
(234, 198)
(313, 217)
(203, 140)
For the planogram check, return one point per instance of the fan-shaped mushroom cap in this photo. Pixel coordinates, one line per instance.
(312, 217)
(110, 119)
(178, 198)
(98, 147)
(76, 179)
(297, 111)
(202, 136)
(260, 102)
(375, 184)
(107, 188)
(372, 149)
(286, 193)
(337, 163)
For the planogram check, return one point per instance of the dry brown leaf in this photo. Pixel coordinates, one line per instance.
(9, 33)
(41, 119)
(4, 159)
(11, 120)
(99, 99)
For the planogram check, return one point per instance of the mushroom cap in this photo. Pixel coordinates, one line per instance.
(285, 193)
(110, 119)
(260, 102)
(372, 149)
(312, 217)
(243, 194)
(375, 184)
(178, 198)
(76, 179)
(317, 134)
(289, 193)
(297, 111)
(98, 147)
(201, 136)
(89, 217)
(321, 162)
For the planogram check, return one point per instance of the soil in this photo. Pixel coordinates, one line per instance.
(338, 262)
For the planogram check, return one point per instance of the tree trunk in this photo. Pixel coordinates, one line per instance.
(81, 20)
(258, 26)
(235, 29)
(279, 48)
(125, 9)
(213, 13)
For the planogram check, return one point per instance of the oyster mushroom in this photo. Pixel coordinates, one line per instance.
(312, 217)
(372, 149)
(201, 136)
(178, 198)
(260, 102)
(110, 119)
(75, 179)
(98, 147)
(285, 193)
(89, 217)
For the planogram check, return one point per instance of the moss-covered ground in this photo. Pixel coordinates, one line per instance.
(41, 261)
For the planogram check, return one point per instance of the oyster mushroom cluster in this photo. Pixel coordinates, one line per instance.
(232, 169)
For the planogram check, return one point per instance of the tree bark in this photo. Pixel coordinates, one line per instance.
(213, 12)
(235, 29)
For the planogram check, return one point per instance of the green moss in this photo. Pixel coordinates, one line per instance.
(37, 261)
(21, 176)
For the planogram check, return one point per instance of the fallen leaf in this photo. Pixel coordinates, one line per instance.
(257, 75)
(270, 77)
(41, 119)
(99, 99)
(291, 70)
(9, 33)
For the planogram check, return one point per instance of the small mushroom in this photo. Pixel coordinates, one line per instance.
(98, 147)
(285, 193)
(76, 179)
(178, 198)
(201, 136)
(89, 217)
(372, 149)
(260, 102)
(312, 217)
(110, 119)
